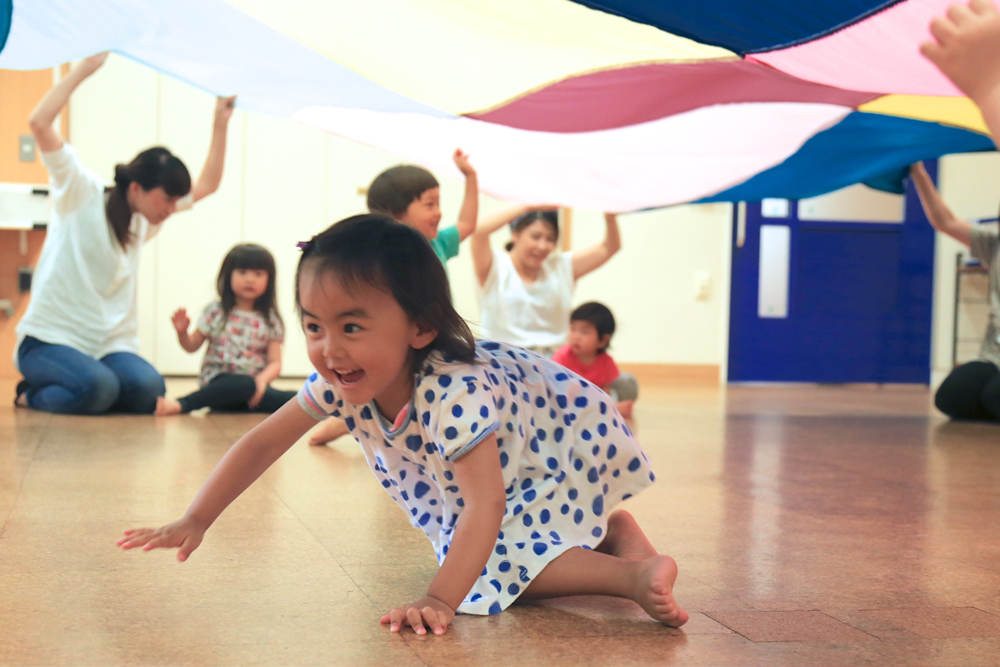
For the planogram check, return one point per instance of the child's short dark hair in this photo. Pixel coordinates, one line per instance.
(373, 249)
(392, 191)
(597, 314)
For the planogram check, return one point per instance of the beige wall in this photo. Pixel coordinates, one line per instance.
(284, 182)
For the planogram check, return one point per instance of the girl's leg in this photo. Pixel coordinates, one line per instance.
(647, 580)
(328, 430)
(228, 391)
(62, 379)
(990, 396)
(274, 399)
(141, 383)
(960, 395)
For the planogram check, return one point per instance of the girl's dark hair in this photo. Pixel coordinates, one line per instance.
(597, 314)
(551, 218)
(152, 168)
(254, 257)
(374, 250)
(396, 188)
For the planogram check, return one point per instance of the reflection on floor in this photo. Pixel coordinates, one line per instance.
(812, 525)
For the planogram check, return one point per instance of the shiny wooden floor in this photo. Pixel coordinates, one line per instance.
(812, 526)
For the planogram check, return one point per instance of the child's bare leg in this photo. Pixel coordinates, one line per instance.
(625, 408)
(648, 582)
(167, 406)
(328, 430)
(625, 538)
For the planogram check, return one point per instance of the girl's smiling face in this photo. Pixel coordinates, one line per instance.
(360, 340)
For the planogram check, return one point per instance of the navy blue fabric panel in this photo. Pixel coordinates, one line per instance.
(6, 11)
(862, 147)
(741, 26)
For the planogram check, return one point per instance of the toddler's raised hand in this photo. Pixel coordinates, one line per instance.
(426, 613)
(181, 320)
(184, 535)
(462, 162)
(967, 48)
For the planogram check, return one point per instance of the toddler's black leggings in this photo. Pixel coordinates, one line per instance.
(231, 392)
(971, 391)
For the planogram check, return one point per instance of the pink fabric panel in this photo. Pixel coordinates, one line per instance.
(880, 54)
(633, 95)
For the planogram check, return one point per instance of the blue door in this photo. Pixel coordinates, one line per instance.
(828, 301)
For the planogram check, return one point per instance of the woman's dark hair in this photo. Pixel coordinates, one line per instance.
(152, 168)
(551, 218)
(254, 257)
(396, 188)
(374, 250)
(597, 314)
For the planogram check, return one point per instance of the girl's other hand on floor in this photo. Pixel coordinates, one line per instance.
(425, 614)
(184, 535)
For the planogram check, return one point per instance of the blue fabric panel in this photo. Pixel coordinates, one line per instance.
(862, 147)
(741, 26)
(6, 10)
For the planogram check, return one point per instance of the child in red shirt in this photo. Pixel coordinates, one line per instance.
(591, 326)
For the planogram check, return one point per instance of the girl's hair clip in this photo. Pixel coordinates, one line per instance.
(305, 245)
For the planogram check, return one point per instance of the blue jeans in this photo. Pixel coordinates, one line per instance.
(65, 380)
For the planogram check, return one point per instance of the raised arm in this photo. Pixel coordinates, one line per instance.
(940, 216)
(181, 322)
(470, 204)
(211, 174)
(42, 119)
(588, 259)
(482, 254)
(967, 50)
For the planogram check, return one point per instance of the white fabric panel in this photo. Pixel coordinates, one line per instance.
(208, 43)
(668, 161)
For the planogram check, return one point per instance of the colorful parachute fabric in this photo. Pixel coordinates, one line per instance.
(615, 105)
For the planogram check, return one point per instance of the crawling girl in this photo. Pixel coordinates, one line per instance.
(506, 461)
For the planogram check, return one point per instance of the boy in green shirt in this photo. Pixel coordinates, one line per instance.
(412, 195)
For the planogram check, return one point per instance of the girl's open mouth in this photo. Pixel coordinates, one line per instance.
(349, 378)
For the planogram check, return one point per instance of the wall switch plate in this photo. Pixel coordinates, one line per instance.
(703, 286)
(27, 148)
(24, 274)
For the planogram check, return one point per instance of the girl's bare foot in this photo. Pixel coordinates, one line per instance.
(167, 406)
(625, 538)
(21, 401)
(328, 431)
(654, 590)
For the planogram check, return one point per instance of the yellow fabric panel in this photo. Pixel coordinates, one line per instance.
(957, 111)
(468, 55)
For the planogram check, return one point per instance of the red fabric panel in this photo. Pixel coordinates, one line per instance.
(632, 95)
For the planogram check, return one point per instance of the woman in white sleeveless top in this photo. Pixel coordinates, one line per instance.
(526, 293)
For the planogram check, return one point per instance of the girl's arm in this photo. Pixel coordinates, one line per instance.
(480, 482)
(470, 205)
(239, 468)
(42, 119)
(211, 174)
(588, 259)
(181, 322)
(268, 374)
(940, 216)
(482, 254)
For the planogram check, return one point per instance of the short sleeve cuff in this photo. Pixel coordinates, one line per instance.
(309, 403)
(466, 448)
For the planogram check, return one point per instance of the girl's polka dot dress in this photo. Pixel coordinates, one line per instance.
(567, 457)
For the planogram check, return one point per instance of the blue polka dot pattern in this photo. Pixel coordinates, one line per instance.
(566, 458)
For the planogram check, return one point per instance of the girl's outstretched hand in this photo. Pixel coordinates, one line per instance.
(427, 613)
(184, 535)
(180, 320)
